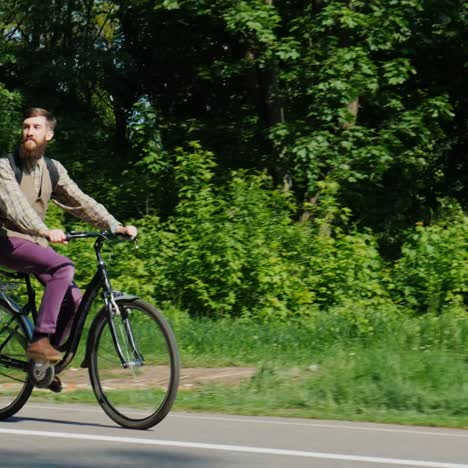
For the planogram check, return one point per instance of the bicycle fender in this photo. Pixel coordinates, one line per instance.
(11, 303)
(118, 297)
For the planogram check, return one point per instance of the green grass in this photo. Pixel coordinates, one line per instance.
(411, 370)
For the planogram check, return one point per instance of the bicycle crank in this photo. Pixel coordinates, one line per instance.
(41, 373)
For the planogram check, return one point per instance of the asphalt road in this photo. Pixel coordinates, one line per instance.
(46, 435)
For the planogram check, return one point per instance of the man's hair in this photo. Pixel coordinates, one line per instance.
(39, 112)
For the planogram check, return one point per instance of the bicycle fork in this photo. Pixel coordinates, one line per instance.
(117, 313)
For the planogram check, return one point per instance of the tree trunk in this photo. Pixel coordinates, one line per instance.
(121, 130)
(253, 83)
(352, 106)
(262, 86)
(274, 111)
(316, 7)
(307, 213)
(353, 109)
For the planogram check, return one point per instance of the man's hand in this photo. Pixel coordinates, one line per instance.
(56, 236)
(128, 230)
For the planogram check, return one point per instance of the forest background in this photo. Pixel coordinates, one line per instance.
(298, 173)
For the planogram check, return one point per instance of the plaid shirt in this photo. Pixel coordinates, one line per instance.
(67, 195)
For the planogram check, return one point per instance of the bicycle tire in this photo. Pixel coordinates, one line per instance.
(152, 334)
(13, 342)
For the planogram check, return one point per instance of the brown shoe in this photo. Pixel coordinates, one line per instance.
(42, 350)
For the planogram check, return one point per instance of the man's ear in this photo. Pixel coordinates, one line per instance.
(49, 135)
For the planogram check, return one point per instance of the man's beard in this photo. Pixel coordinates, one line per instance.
(35, 153)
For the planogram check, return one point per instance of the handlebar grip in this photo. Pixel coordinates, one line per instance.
(124, 236)
(80, 235)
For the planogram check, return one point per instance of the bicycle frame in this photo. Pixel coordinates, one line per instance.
(100, 281)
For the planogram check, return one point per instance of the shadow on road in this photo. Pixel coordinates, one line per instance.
(68, 456)
(17, 419)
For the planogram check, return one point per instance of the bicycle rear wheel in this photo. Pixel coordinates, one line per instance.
(138, 396)
(15, 387)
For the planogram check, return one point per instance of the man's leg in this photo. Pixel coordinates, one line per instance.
(56, 272)
(67, 313)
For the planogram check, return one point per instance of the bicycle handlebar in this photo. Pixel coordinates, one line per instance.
(106, 235)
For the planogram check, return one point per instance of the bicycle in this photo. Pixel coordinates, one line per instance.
(131, 353)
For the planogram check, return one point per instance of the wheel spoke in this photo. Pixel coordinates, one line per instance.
(11, 377)
(7, 327)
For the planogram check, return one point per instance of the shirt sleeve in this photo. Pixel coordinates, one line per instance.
(71, 198)
(14, 206)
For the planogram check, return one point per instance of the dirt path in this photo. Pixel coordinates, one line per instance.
(191, 377)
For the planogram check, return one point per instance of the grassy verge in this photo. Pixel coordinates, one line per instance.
(395, 369)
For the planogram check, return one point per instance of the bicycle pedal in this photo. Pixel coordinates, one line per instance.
(56, 385)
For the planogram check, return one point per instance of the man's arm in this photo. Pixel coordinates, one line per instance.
(14, 206)
(71, 198)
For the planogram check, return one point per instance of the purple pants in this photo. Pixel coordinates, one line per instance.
(54, 271)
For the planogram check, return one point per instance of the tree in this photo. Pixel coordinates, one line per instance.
(337, 99)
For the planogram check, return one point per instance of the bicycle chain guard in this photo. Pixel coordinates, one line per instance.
(41, 373)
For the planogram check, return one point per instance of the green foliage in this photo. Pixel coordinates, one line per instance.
(152, 166)
(357, 109)
(346, 68)
(239, 253)
(233, 250)
(228, 242)
(9, 118)
(347, 267)
(432, 274)
(257, 19)
(146, 138)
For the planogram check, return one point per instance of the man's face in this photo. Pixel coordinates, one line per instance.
(36, 134)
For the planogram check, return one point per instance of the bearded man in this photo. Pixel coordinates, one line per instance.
(24, 236)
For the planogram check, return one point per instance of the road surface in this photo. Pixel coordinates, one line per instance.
(48, 435)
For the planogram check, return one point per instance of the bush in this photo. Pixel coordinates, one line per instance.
(432, 274)
(234, 250)
(230, 246)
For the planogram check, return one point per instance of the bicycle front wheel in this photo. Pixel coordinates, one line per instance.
(140, 393)
(15, 387)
